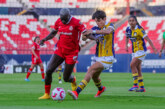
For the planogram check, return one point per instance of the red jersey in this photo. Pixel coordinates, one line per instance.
(69, 33)
(36, 48)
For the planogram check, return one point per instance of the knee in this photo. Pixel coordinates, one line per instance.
(90, 73)
(49, 72)
(132, 65)
(94, 76)
(42, 67)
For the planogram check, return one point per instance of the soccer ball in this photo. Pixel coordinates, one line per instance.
(58, 94)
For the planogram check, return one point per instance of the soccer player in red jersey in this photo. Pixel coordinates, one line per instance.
(67, 49)
(36, 60)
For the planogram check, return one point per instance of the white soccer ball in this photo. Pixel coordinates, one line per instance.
(58, 94)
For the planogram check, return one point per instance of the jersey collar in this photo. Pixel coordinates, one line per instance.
(136, 27)
(69, 20)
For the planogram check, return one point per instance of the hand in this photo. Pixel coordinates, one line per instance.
(42, 42)
(87, 32)
(84, 38)
(126, 48)
(160, 54)
(99, 39)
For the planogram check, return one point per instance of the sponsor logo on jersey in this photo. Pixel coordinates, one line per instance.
(65, 33)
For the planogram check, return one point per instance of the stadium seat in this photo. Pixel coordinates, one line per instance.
(17, 32)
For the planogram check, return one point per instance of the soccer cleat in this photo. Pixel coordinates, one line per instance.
(45, 96)
(26, 79)
(141, 90)
(74, 94)
(100, 92)
(134, 88)
(74, 85)
(60, 82)
(43, 80)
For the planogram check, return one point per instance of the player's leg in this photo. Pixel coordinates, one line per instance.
(134, 64)
(55, 61)
(29, 72)
(59, 71)
(140, 79)
(74, 70)
(96, 67)
(42, 71)
(68, 77)
(98, 84)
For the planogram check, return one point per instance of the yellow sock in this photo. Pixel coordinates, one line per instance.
(135, 79)
(81, 86)
(99, 85)
(140, 80)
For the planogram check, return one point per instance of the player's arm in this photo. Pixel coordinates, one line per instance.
(50, 36)
(34, 53)
(162, 46)
(92, 37)
(126, 43)
(151, 44)
(105, 32)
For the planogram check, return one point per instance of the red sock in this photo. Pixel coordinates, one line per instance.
(28, 73)
(74, 80)
(42, 73)
(47, 89)
(74, 70)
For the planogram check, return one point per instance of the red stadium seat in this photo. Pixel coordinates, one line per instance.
(59, 1)
(34, 0)
(82, 0)
(17, 33)
(2, 1)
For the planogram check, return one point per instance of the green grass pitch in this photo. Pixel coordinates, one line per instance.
(15, 93)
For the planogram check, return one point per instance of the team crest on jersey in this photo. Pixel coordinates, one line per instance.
(71, 28)
(135, 33)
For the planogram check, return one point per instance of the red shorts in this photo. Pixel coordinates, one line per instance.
(70, 56)
(36, 61)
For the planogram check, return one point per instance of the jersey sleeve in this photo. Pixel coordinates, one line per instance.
(56, 25)
(164, 35)
(81, 27)
(112, 26)
(96, 35)
(142, 33)
(126, 32)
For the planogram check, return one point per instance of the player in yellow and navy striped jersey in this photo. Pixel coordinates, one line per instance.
(103, 33)
(137, 35)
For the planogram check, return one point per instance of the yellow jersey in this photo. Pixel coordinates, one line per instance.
(137, 38)
(107, 47)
